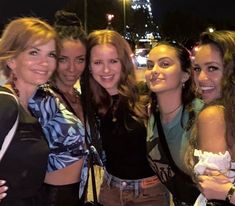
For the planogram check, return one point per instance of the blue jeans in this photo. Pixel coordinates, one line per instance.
(142, 192)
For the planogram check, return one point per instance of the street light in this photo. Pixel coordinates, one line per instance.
(85, 16)
(124, 16)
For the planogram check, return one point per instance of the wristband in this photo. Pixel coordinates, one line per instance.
(230, 194)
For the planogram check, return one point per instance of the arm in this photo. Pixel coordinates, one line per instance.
(212, 130)
(215, 185)
(212, 138)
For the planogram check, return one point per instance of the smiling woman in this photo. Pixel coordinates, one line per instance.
(28, 50)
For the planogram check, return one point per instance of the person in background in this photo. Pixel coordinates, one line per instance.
(174, 105)
(121, 116)
(67, 167)
(211, 152)
(28, 51)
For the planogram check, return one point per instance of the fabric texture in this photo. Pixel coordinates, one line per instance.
(208, 160)
(64, 132)
(172, 171)
(24, 163)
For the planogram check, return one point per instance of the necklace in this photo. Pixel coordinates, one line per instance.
(167, 113)
(72, 98)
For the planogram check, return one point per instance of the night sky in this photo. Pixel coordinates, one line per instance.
(221, 13)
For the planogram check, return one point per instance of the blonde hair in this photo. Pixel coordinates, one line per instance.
(19, 34)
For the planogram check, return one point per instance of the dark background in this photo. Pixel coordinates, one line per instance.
(176, 18)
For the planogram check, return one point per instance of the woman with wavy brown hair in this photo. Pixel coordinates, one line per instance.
(211, 150)
(120, 112)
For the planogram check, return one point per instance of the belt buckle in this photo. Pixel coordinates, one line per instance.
(149, 182)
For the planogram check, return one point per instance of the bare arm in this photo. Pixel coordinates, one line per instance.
(212, 130)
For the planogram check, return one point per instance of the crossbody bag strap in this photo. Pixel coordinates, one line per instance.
(12, 131)
(163, 141)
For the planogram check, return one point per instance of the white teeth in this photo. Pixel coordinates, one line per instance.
(40, 72)
(207, 88)
(107, 77)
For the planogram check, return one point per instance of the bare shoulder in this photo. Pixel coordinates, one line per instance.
(212, 129)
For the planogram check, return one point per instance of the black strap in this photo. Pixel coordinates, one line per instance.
(163, 141)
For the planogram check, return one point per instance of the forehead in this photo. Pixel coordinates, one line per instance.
(104, 50)
(162, 51)
(207, 53)
(74, 46)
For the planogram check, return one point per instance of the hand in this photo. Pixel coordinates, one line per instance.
(3, 189)
(214, 185)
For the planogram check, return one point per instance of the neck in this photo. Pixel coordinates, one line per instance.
(64, 88)
(167, 107)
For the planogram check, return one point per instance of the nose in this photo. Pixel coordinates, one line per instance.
(155, 69)
(71, 66)
(44, 61)
(202, 76)
(106, 68)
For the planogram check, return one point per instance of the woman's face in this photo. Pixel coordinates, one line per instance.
(208, 71)
(106, 67)
(71, 63)
(164, 72)
(35, 65)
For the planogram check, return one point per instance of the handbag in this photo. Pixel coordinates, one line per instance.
(12, 131)
(92, 152)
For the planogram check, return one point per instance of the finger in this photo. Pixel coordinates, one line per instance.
(3, 195)
(2, 182)
(212, 172)
(3, 189)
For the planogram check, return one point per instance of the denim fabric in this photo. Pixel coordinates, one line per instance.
(118, 192)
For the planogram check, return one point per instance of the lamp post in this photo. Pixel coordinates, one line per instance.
(85, 16)
(124, 16)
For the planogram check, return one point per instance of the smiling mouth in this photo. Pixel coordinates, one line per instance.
(206, 88)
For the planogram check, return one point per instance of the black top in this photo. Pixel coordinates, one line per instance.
(124, 142)
(24, 163)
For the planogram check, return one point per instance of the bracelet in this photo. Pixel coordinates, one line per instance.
(230, 194)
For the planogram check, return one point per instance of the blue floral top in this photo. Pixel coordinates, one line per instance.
(65, 133)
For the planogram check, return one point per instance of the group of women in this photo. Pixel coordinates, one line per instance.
(151, 143)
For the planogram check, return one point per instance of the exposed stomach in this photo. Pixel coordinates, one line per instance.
(68, 175)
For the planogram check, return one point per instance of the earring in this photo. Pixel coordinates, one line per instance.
(183, 85)
(14, 79)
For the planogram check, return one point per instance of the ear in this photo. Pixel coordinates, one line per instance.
(11, 64)
(185, 77)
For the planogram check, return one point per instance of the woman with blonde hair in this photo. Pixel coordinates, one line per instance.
(28, 51)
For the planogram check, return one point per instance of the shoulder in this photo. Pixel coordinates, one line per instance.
(8, 101)
(212, 113)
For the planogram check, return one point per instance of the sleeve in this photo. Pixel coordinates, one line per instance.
(8, 114)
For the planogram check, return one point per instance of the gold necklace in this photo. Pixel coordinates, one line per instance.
(167, 113)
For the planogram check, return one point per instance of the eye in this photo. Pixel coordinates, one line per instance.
(164, 64)
(33, 52)
(196, 69)
(80, 60)
(114, 61)
(62, 59)
(150, 65)
(97, 62)
(212, 68)
(52, 55)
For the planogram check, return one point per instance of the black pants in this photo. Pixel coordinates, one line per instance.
(62, 195)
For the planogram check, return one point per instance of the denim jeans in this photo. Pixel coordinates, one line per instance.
(118, 192)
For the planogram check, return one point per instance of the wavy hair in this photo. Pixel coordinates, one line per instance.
(224, 41)
(22, 32)
(127, 86)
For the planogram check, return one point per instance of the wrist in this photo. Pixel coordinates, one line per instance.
(230, 194)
